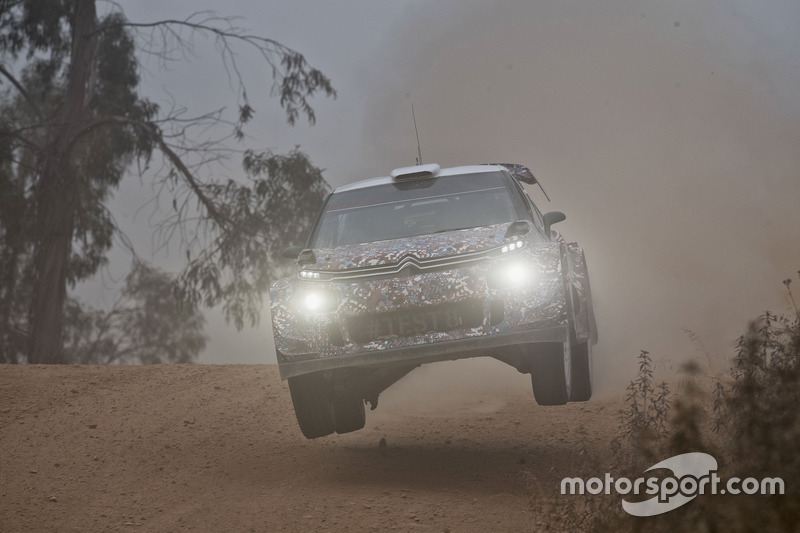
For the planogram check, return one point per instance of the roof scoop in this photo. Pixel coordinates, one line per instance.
(415, 172)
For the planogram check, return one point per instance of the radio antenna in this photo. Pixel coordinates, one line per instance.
(419, 150)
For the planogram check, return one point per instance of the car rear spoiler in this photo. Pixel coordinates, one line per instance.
(523, 174)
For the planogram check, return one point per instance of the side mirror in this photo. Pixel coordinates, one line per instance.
(292, 252)
(553, 217)
(519, 227)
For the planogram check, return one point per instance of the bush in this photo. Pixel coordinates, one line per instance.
(748, 420)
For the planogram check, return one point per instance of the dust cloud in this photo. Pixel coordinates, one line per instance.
(668, 134)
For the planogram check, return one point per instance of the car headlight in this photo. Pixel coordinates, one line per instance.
(309, 274)
(514, 273)
(313, 275)
(511, 246)
(317, 301)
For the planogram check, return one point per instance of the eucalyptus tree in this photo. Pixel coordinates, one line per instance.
(76, 75)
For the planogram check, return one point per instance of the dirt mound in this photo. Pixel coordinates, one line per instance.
(217, 448)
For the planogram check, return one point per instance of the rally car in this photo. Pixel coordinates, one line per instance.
(430, 264)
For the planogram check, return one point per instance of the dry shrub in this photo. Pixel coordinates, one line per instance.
(748, 420)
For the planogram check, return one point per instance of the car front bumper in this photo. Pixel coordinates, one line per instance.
(450, 350)
(534, 312)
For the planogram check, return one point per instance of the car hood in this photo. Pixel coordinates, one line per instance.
(430, 246)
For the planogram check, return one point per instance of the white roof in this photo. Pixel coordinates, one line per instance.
(452, 171)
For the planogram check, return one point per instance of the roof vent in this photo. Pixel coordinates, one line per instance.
(415, 172)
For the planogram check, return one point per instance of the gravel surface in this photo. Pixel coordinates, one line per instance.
(217, 448)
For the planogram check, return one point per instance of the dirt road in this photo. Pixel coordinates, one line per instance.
(217, 448)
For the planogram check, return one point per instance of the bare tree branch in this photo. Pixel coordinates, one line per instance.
(155, 134)
(293, 79)
(198, 26)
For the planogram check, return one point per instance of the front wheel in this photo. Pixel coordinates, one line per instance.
(551, 372)
(311, 396)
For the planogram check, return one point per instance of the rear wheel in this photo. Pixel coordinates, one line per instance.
(312, 405)
(348, 413)
(551, 369)
(581, 373)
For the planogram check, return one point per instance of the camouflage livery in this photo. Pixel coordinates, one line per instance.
(300, 336)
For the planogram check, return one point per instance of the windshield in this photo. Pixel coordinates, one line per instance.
(419, 207)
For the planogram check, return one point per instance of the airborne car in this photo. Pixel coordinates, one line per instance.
(430, 264)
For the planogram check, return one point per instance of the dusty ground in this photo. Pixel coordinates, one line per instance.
(217, 448)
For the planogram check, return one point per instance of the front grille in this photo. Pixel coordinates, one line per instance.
(412, 265)
(407, 323)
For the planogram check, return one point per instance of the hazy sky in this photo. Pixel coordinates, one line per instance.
(667, 132)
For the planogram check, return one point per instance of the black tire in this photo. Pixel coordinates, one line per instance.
(581, 373)
(551, 367)
(348, 413)
(311, 396)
